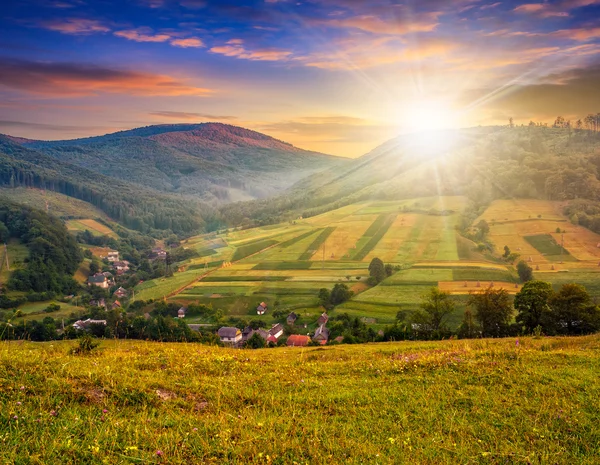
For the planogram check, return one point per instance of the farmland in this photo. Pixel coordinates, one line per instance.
(135, 402)
(285, 265)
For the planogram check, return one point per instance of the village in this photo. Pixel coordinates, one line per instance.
(230, 336)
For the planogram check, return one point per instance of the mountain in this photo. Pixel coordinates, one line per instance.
(484, 163)
(133, 205)
(214, 162)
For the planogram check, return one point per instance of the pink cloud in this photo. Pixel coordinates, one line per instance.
(235, 48)
(186, 43)
(142, 34)
(76, 26)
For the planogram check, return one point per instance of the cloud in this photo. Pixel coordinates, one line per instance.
(75, 79)
(142, 34)
(360, 52)
(75, 26)
(235, 48)
(186, 43)
(182, 115)
(425, 22)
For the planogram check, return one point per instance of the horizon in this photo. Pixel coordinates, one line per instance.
(337, 77)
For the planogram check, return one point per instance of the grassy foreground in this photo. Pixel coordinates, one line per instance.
(474, 401)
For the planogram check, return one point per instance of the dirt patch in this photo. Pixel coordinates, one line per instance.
(165, 395)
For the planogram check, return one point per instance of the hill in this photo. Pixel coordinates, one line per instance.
(483, 164)
(428, 402)
(133, 205)
(212, 161)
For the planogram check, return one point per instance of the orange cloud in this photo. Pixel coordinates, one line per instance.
(142, 35)
(580, 34)
(186, 43)
(235, 48)
(76, 26)
(426, 22)
(74, 80)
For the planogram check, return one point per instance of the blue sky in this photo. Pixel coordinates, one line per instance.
(338, 76)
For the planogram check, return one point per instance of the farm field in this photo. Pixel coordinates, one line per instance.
(93, 226)
(128, 400)
(35, 310)
(284, 265)
(58, 204)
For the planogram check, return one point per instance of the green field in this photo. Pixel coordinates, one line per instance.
(547, 246)
(473, 401)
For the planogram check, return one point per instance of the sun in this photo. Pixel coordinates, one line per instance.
(428, 115)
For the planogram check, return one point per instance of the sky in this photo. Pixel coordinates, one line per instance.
(335, 76)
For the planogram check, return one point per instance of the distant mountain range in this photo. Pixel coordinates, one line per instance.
(216, 163)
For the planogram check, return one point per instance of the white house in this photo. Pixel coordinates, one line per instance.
(230, 335)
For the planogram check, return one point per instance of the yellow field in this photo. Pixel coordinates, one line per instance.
(82, 273)
(341, 241)
(101, 252)
(325, 219)
(522, 209)
(515, 219)
(91, 225)
(456, 203)
(387, 248)
(459, 287)
(461, 263)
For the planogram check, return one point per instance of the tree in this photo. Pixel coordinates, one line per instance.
(377, 270)
(255, 342)
(511, 122)
(468, 329)
(436, 306)
(493, 311)
(506, 252)
(389, 270)
(340, 293)
(525, 272)
(324, 296)
(532, 306)
(574, 311)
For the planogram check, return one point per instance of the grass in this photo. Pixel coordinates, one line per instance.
(375, 232)
(93, 226)
(479, 274)
(305, 265)
(244, 251)
(314, 246)
(547, 246)
(479, 401)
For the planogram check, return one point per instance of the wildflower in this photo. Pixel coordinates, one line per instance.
(159, 453)
(22, 388)
(104, 411)
(517, 343)
(392, 440)
(195, 429)
(53, 413)
(18, 403)
(15, 417)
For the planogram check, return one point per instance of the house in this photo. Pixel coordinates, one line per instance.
(276, 331)
(291, 319)
(230, 335)
(158, 253)
(116, 304)
(100, 280)
(323, 319)
(261, 309)
(248, 332)
(121, 266)
(84, 325)
(120, 293)
(321, 335)
(181, 312)
(297, 340)
(339, 339)
(98, 303)
(113, 256)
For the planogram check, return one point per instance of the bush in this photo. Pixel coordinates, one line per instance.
(86, 344)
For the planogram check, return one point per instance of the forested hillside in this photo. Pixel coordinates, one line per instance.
(482, 163)
(53, 253)
(214, 162)
(133, 205)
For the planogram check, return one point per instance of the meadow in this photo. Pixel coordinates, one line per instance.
(468, 401)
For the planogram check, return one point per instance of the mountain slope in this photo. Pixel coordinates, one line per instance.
(215, 162)
(483, 163)
(135, 206)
